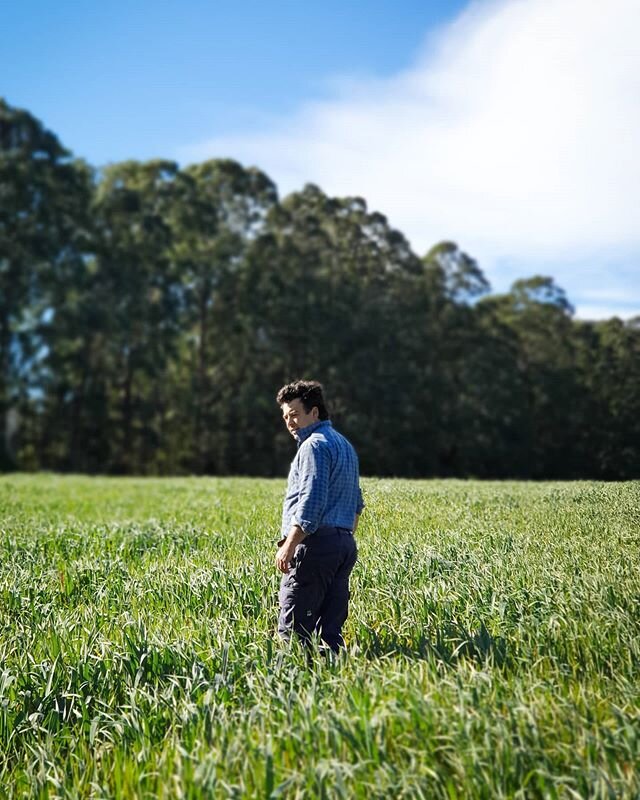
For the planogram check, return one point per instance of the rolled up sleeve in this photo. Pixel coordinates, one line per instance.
(313, 475)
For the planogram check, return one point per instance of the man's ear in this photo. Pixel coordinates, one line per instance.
(315, 413)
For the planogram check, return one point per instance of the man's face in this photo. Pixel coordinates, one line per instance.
(296, 417)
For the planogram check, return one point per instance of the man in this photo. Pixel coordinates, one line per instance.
(323, 503)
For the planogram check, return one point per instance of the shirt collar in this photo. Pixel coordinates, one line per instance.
(304, 433)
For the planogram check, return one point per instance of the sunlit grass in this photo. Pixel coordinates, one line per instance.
(494, 644)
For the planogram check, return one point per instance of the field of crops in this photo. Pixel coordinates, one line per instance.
(494, 644)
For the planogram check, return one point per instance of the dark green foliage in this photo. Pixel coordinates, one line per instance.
(148, 315)
(44, 196)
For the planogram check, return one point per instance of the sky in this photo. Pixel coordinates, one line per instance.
(507, 126)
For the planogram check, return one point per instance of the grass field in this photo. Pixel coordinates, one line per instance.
(494, 644)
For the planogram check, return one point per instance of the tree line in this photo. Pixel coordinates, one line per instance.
(149, 313)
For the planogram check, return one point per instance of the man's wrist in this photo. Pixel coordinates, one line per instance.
(295, 535)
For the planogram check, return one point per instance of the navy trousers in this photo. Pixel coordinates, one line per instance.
(314, 594)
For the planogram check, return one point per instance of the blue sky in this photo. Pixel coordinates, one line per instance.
(138, 79)
(509, 126)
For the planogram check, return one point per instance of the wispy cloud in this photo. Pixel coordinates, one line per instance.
(514, 133)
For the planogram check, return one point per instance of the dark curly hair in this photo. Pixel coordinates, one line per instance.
(309, 392)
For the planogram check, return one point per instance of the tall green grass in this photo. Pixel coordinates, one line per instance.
(494, 644)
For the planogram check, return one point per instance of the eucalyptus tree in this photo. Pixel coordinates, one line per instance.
(538, 316)
(43, 196)
(448, 357)
(133, 333)
(325, 291)
(222, 209)
(608, 371)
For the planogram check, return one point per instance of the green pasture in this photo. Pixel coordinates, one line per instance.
(494, 644)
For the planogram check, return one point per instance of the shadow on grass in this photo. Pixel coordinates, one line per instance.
(451, 644)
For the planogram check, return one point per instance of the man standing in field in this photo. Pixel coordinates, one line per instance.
(323, 503)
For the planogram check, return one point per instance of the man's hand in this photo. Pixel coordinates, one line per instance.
(284, 556)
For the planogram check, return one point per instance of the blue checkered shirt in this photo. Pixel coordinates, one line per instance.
(323, 487)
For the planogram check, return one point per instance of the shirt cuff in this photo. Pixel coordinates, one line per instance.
(307, 526)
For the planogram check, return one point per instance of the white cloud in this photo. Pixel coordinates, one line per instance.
(587, 311)
(515, 133)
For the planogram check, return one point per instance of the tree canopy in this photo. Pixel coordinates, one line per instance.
(149, 313)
